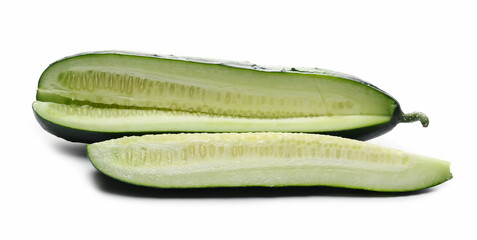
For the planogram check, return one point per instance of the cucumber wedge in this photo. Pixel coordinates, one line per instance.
(263, 159)
(102, 95)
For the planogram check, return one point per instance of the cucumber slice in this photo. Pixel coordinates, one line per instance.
(83, 120)
(263, 159)
(149, 92)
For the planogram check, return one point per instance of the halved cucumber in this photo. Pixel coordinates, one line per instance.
(97, 96)
(92, 124)
(263, 159)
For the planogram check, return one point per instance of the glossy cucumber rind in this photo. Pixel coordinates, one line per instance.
(86, 136)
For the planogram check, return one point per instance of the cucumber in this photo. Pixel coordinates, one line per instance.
(97, 96)
(199, 160)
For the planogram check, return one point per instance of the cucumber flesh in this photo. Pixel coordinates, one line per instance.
(146, 120)
(263, 159)
(148, 93)
(171, 84)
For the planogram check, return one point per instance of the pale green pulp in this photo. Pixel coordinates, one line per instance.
(263, 159)
(141, 120)
(162, 94)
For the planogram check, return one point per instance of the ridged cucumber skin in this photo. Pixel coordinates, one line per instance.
(440, 172)
(85, 136)
(78, 135)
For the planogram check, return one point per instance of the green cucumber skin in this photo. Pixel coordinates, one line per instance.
(84, 136)
(78, 135)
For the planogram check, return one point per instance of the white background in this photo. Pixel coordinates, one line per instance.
(421, 52)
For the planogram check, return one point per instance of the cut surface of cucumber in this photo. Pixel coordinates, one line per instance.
(149, 92)
(145, 120)
(263, 159)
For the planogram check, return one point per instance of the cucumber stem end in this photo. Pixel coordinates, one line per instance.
(415, 116)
